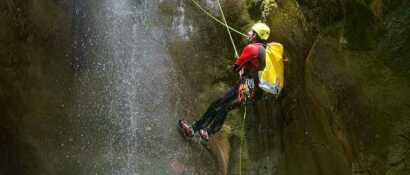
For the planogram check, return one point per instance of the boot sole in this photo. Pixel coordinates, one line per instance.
(182, 129)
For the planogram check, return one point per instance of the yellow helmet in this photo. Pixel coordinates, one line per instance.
(262, 30)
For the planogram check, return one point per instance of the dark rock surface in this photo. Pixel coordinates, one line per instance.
(76, 97)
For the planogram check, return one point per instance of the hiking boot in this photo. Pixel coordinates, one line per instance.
(204, 134)
(187, 129)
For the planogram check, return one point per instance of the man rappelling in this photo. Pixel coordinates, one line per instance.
(249, 65)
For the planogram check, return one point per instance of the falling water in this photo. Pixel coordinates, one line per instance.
(128, 94)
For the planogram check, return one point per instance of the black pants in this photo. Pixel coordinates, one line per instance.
(215, 116)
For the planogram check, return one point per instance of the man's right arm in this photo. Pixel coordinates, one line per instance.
(246, 55)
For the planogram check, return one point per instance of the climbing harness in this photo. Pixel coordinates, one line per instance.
(247, 90)
(216, 19)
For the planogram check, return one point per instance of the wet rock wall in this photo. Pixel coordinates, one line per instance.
(33, 70)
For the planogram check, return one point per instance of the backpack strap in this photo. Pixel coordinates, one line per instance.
(261, 56)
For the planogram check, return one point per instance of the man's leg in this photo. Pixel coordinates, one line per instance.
(229, 102)
(217, 123)
(215, 108)
(207, 118)
(221, 116)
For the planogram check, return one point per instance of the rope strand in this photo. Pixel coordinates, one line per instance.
(216, 19)
(242, 140)
(227, 28)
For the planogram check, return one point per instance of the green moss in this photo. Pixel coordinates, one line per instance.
(362, 29)
(394, 44)
(357, 88)
(254, 8)
(267, 7)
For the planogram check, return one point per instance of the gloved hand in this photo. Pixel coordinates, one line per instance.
(236, 67)
(241, 73)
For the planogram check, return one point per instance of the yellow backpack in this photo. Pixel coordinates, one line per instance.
(272, 76)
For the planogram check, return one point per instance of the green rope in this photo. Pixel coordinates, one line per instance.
(227, 28)
(216, 19)
(242, 140)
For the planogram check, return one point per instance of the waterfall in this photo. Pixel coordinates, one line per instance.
(127, 91)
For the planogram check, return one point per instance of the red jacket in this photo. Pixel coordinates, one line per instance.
(252, 58)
